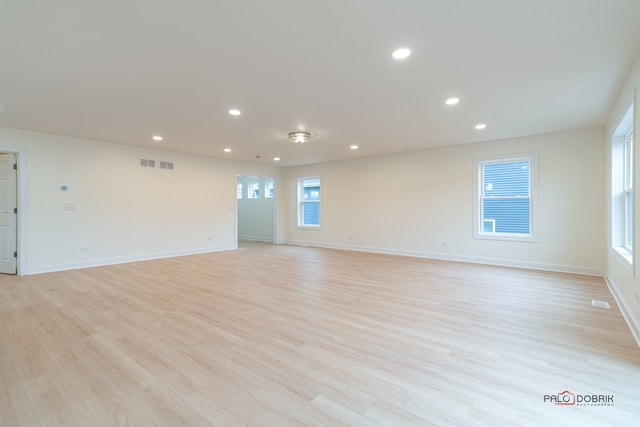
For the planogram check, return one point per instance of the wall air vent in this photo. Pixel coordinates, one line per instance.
(166, 165)
(147, 163)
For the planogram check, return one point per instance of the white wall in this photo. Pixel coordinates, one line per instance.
(123, 212)
(619, 273)
(412, 203)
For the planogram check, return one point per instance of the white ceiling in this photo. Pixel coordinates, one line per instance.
(123, 71)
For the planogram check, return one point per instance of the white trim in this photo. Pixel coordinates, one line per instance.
(255, 239)
(627, 313)
(478, 233)
(127, 259)
(300, 203)
(560, 268)
(624, 253)
(22, 228)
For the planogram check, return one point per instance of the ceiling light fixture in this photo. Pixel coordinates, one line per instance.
(234, 112)
(401, 53)
(277, 159)
(481, 126)
(227, 150)
(452, 101)
(157, 138)
(299, 137)
(354, 147)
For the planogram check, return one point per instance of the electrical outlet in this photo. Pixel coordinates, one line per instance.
(84, 249)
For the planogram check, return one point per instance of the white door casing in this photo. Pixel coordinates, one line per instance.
(8, 214)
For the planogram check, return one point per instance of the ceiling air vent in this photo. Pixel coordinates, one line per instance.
(147, 163)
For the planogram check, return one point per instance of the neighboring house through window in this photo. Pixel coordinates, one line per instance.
(506, 205)
(309, 202)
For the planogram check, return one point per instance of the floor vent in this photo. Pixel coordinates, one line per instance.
(601, 304)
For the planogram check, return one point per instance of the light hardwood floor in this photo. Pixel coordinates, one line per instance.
(283, 335)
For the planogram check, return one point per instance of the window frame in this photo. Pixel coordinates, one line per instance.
(302, 202)
(622, 203)
(479, 221)
(269, 184)
(253, 185)
(627, 189)
(239, 188)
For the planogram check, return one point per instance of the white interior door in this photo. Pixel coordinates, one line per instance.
(8, 213)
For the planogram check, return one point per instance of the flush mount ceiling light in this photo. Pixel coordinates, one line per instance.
(157, 138)
(452, 101)
(299, 137)
(234, 112)
(481, 126)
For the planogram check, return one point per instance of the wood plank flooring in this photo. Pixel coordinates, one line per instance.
(294, 336)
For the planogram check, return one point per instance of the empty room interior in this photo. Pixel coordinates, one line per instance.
(359, 213)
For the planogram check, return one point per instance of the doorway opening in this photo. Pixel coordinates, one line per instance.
(256, 208)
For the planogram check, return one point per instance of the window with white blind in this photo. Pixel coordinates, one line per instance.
(506, 198)
(309, 202)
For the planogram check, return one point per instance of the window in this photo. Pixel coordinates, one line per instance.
(622, 177)
(253, 190)
(268, 188)
(628, 190)
(506, 198)
(309, 202)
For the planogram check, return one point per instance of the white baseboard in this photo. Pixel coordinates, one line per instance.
(123, 260)
(460, 258)
(627, 313)
(256, 239)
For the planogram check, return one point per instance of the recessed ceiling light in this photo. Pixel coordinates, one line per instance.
(157, 138)
(354, 147)
(401, 53)
(480, 126)
(227, 150)
(452, 101)
(277, 159)
(234, 112)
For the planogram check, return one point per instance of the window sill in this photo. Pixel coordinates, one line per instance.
(625, 253)
(507, 237)
(309, 227)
